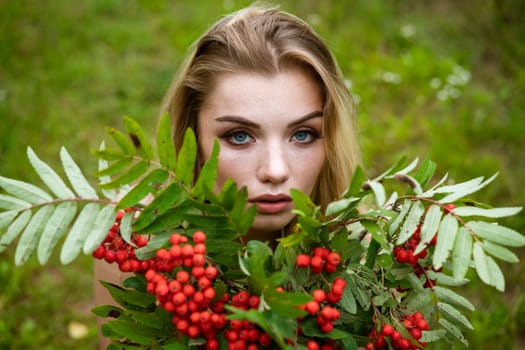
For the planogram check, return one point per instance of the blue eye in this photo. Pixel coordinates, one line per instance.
(304, 136)
(239, 137)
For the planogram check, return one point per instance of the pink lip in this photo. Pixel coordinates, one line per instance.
(272, 203)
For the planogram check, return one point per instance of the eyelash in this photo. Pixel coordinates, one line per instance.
(229, 136)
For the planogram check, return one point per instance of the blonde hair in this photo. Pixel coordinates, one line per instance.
(267, 41)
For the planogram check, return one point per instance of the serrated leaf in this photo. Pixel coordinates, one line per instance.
(78, 233)
(165, 146)
(487, 213)
(451, 297)
(432, 336)
(129, 176)
(462, 252)
(338, 206)
(425, 172)
(411, 223)
(173, 196)
(14, 230)
(208, 172)
(29, 239)
(500, 252)
(103, 222)
(12, 203)
(429, 227)
(24, 191)
(76, 177)
(497, 234)
(463, 189)
(358, 178)
(496, 275)
(7, 217)
(103, 164)
(454, 315)
(186, 158)
(148, 184)
(139, 139)
(55, 228)
(480, 261)
(126, 224)
(49, 176)
(348, 301)
(447, 280)
(453, 330)
(140, 334)
(109, 154)
(445, 240)
(115, 167)
(125, 143)
(400, 217)
(379, 192)
(377, 233)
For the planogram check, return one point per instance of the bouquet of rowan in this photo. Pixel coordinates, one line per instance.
(374, 269)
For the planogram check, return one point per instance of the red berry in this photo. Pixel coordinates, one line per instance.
(333, 258)
(387, 330)
(319, 295)
(199, 237)
(312, 307)
(302, 260)
(312, 345)
(183, 276)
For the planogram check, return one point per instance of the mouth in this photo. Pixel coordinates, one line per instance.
(272, 204)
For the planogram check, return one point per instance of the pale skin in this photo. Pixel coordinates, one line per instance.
(270, 132)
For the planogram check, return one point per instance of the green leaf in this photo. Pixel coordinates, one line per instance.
(463, 189)
(453, 330)
(496, 275)
(412, 221)
(445, 240)
(115, 167)
(129, 298)
(451, 297)
(12, 203)
(429, 227)
(55, 228)
(480, 261)
(7, 217)
(173, 196)
(379, 192)
(406, 169)
(29, 239)
(107, 311)
(165, 146)
(398, 166)
(135, 332)
(125, 143)
(49, 176)
(76, 177)
(110, 154)
(500, 252)
(400, 217)
(358, 178)
(487, 213)
(338, 206)
(139, 139)
(148, 184)
(453, 315)
(14, 230)
(24, 191)
(302, 202)
(432, 336)
(186, 158)
(462, 252)
(348, 301)
(103, 222)
(103, 164)
(126, 226)
(425, 172)
(130, 175)
(78, 233)
(497, 234)
(208, 172)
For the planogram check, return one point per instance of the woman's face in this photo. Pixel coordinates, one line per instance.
(270, 133)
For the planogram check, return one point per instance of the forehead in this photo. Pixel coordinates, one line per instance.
(291, 92)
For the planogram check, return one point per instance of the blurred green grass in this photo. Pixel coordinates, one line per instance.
(439, 79)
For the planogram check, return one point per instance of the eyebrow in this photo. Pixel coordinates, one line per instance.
(244, 121)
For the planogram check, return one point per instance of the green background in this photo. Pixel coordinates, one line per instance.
(443, 79)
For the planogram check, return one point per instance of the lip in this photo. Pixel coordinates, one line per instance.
(272, 203)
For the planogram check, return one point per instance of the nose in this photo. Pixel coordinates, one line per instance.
(273, 165)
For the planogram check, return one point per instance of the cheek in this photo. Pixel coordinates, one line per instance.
(308, 168)
(234, 167)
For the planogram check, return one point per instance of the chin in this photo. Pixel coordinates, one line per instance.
(269, 225)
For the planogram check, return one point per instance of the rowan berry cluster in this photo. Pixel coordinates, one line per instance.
(114, 249)
(414, 324)
(321, 259)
